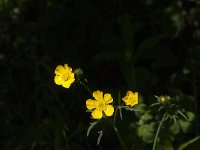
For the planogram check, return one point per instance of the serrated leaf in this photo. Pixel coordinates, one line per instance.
(146, 132)
(140, 107)
(100, 136)
(90, 127)
(147, 116)
(190, 115)
(175, 128)
(185, 125)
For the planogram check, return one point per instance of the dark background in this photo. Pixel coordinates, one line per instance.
(149, 46)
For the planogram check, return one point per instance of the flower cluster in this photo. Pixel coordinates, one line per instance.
(101, 104)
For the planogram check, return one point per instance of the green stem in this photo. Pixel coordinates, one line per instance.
(85, 86)
(184, 145)
(158, 131)
(120, 139)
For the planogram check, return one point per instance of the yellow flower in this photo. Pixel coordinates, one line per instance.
(100, 105)
(162, 99)
(131, 98)
(64, 76)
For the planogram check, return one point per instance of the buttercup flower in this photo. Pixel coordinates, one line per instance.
(64, 76)
(164, 99)
(131, 98)
(100, 105)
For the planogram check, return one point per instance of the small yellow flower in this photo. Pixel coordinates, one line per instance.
(64, 76)
(100, 105)
(131, 98)
(162, 99)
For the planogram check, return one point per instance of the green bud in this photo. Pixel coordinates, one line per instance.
(78, 72)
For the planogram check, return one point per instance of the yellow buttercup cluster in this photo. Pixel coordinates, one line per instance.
(100, 105)
(131, 98)
(64, 76)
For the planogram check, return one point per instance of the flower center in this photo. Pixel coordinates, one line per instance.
(65, 76)
(101, 105)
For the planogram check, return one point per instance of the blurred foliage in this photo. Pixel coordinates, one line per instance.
(149, 46)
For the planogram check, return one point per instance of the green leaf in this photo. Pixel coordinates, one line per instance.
(146, 132)
(182, 114)
(174, 117)
(190, 115)
(161, 108)
(100, 136)
(166, 145)
(147, 116)
(185, 125)
(175, 128)
(173, 21)
(90, 127)
(141, 107)
(166, 117)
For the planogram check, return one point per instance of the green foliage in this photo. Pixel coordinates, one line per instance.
(149, 46)
(165, 145)
(90, 127)
(146, 132)
(186, 144)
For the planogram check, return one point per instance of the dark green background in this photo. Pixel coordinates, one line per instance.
(149, 46)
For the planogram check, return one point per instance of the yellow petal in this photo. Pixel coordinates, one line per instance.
(107, 98)
(128, 102)
(58, 80)
(71, 75)
(109, 110)
(97, 114)
(66, 84)
(91, 104)
(59, 70)
(135, 98)
(67, 68)
(98, 95)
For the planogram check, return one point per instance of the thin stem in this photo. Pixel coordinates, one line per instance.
(158, 131)
(86, 87)
(184, 145)
(115, 116)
